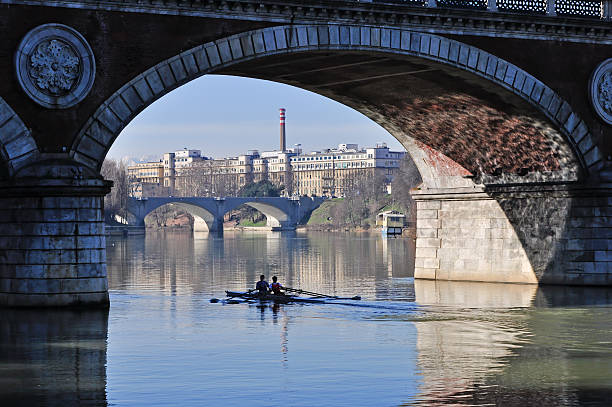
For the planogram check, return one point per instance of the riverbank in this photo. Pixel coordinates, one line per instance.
(328, 218)
(123, 230)
(406, 232)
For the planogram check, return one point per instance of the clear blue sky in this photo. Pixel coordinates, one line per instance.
(225, 116)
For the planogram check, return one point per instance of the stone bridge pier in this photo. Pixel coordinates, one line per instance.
(53, 250)
(546, 234)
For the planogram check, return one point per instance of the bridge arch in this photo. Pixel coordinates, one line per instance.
(203, 220)
(557, 144)
(485, 135)
(276, 215)
(204, 217)
(17, 146)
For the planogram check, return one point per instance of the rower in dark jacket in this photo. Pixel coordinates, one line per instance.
(262, 286)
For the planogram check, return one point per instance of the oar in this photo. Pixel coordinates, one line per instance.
(335, 297)
(228, 301)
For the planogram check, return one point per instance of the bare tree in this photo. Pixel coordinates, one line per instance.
(364, 194)
(407, 177)
(196, 180)
(159, 217)
(115, 202)
(289, 183)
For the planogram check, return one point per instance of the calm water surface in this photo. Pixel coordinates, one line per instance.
(406, 343)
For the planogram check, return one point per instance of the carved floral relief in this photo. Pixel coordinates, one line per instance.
(601, 90)
(605, 92)
(54, 67)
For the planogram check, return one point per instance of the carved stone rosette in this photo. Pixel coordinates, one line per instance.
(600, 89)
(55, 66)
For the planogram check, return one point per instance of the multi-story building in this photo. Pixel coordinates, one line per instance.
(279, 169)
(227, 175)
(185, 158)
(176, 163)
(147, 179)
(260, 168)
(150, 173)
(332, 172)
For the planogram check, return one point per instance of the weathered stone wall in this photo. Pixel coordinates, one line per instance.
(550, 235)
(52, 251)
(468, 238)
(52, 244)
(565, 231)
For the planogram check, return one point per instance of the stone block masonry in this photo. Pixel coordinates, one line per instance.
(52, 244)
(519, 234)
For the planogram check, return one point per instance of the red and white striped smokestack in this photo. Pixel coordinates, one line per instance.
(282, 129)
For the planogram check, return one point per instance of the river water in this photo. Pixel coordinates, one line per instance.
(407, 342)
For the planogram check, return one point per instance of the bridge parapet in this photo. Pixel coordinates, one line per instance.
(597, 9)
(593, 9)
(563, 20)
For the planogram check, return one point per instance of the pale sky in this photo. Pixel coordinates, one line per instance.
(226, 116)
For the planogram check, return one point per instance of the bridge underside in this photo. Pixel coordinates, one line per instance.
(464, 125)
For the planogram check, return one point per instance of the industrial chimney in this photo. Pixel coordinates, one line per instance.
(282, 130)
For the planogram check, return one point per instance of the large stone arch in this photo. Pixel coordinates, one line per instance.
(96, 137)
(17, 146)
(501, 128)
(275, 215)
(205, 217)
(203, 220)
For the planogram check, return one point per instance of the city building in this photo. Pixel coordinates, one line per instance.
(147, 179)
(330, 172)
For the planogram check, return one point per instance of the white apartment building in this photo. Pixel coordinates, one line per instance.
(328, 172)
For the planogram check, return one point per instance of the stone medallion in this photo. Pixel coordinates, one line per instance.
(601, 90)
(55, 66)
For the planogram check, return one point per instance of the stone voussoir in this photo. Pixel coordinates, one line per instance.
(17, 146)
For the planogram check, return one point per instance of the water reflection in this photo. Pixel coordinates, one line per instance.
(458, 349)
(412, 342)
(474, 295)
(279, 317)
(176, 262)
(564, 296)
(514, 345)
(53, 357)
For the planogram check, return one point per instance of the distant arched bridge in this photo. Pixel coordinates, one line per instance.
(281, 213)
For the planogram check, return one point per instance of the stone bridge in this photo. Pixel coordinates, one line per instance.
(281, 213)
(504, 105)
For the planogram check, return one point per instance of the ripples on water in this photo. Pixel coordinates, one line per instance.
(406, 343)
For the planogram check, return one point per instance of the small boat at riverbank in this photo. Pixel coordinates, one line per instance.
(279, 299)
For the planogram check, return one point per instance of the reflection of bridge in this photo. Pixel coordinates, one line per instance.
(281, 213)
